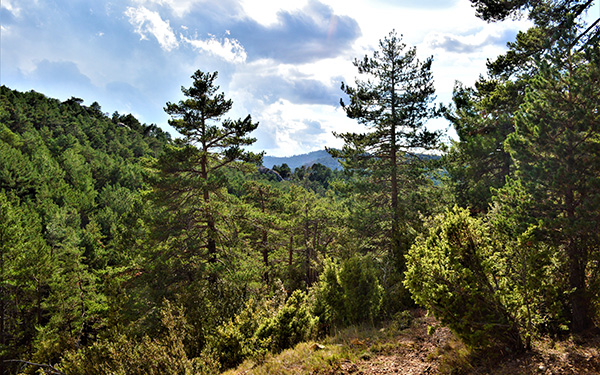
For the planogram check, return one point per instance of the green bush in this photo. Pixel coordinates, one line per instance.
(227, 345)
(348, 294)
(449, 273)
(533, 274)
(124, 354)
(292, 324)
(329, 298)
(362, 292)
(402, 320)
(236, 340)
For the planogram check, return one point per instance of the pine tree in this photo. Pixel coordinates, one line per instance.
(556, 149)
(484, 115)
(25, 267)
(191, 171)
(394, 103)
(264, 221)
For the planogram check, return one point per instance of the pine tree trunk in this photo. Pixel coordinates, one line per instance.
(211, 245)
(308, 248)
(580, 301)
(394, 173)
(265, 254)
(577, 258)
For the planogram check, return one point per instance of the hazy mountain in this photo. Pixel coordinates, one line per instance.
(321, 157)
(296, 161)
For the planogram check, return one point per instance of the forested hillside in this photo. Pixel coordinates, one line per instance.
(69, 193)
(123, 251)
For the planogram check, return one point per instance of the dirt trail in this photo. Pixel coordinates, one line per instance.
(411, 351)
(414, 351)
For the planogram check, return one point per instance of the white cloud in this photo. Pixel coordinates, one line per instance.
(288, 129)
(8, 18)
(495, 35)
(179, 7)
(148, 22)
(228, 49)
(182, 8)
(265, 11)
(8, 5)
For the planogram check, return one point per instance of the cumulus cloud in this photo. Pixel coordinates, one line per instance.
(300, 36)
(472, 42)
(279, 123)
(265, 12)
(183, 8)
(179, 7)
(291, 86)
(309, 135)
(228, 49)
(8, 15)
(311, 129)
(287, 128)
(8, 7)
(149, 22)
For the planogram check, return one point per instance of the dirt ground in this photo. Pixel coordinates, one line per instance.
(414, 351)
(407, 348)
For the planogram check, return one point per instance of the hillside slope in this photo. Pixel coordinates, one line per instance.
(70, 180)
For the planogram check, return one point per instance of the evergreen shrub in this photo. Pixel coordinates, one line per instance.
(449, 273)
(292, 324)
(348, 294)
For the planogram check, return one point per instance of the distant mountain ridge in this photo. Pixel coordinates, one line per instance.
(321, 157)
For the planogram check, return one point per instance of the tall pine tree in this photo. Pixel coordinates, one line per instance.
(394, 103)
(191, 171)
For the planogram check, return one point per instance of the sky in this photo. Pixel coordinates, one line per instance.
(280, 61)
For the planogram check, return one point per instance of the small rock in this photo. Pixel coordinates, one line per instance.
(542, 368)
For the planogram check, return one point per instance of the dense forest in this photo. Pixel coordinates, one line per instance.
(125, 251)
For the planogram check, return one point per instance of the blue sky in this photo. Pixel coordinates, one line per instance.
(280, 61)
